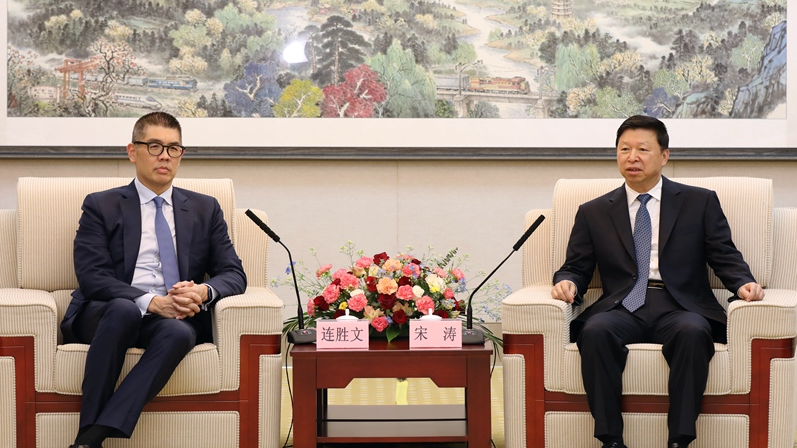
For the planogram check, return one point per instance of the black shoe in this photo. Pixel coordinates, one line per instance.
(614, 445)
(677, 445)
(81, 446)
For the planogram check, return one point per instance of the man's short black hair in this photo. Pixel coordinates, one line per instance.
(155, 119)
(645, 122)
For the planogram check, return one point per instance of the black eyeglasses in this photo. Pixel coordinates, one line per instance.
(156, 149)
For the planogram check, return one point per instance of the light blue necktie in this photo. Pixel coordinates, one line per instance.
(642, 240)
(168, 255)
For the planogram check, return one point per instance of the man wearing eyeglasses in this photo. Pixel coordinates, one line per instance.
(141, 255)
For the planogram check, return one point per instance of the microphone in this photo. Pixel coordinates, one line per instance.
(469, 335)
(302, 335)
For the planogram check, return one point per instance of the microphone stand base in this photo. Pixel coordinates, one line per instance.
(303, 336)
(472, 337)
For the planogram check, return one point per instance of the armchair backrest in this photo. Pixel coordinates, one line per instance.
(48, 211)
(747, 203)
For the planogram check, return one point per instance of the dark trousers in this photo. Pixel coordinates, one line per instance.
(111, 328)
(687, 347)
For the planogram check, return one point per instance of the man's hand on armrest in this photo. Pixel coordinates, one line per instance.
(751, 292)
(565, 291)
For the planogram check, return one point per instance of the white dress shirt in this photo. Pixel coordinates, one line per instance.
(148, 275)
(654, 209)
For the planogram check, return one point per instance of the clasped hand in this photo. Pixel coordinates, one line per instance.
(182, 301)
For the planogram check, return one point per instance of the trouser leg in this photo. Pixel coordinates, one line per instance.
(110, 328)
(166, 342)
(602, 345)
(688, 349)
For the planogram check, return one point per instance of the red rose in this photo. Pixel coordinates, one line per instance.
(320, 303)
(404, 281)
(415, 261)
(380, 258)
(370, 284)
(400, 317)
(338, 313)
(441, 313)
(387, 301)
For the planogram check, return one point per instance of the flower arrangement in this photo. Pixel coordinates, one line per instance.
(388, 291)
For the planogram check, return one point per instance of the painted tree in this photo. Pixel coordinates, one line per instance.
(411, 90)
(358, 96)
(484, 109)
(748, 54)
(115, 64)
(614, 104)
(299, 99)
(23, 73)
(660, 104)
(342, 50)
(312, 49)
(256, 93)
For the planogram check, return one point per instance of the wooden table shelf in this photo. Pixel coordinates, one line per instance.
(318, 423)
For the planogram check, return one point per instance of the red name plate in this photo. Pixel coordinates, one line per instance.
(341, 334)
(445, 333)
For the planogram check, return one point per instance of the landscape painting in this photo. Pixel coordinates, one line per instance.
(417, 59)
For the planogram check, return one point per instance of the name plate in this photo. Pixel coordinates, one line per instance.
(445, 333)
(341, 334)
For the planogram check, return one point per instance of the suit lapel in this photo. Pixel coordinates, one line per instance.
(131, 215)
(618, 211)
(183, 226)
(671, 201)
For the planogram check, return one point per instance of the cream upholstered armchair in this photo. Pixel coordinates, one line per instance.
(225, 394)
(750, 396)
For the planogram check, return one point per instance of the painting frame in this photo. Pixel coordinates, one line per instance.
(393, 138)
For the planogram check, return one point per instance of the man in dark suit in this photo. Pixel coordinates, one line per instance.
(651, 240)
(141, 254)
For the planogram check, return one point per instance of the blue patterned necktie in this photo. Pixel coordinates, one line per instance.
(165, 246)
(642, 240)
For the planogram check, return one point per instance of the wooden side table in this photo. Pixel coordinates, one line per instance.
(316, 422)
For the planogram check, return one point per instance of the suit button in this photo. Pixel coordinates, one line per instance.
(634, 277)
(616, 302)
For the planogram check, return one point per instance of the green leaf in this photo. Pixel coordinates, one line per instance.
(392, 331)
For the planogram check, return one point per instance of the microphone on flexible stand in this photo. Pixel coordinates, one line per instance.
(469, 335)
(302, 335)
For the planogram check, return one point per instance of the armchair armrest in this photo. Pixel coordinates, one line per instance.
(31, 313)
(531, 310)
(775, 317)
(256, 312)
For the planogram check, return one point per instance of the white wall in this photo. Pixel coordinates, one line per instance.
(477, 206)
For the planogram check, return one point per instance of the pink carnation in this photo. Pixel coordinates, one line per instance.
(358, 302)
(448, 293)
(348, 281)
(440, 272)
(331, 293)
(311, 308)
(380, 323)
(405, 293)
(364, 262)
(424, 304)
(323, 270)
(458, 274)
(411, 270)
(339, 273)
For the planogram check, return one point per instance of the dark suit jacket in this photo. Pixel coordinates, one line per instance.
(107, 244)
(693, 232)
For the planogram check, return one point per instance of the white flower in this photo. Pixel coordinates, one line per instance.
(356, 292)
(436, 284)
(417, 291)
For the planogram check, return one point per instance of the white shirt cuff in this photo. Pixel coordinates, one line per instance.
(143, 302)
